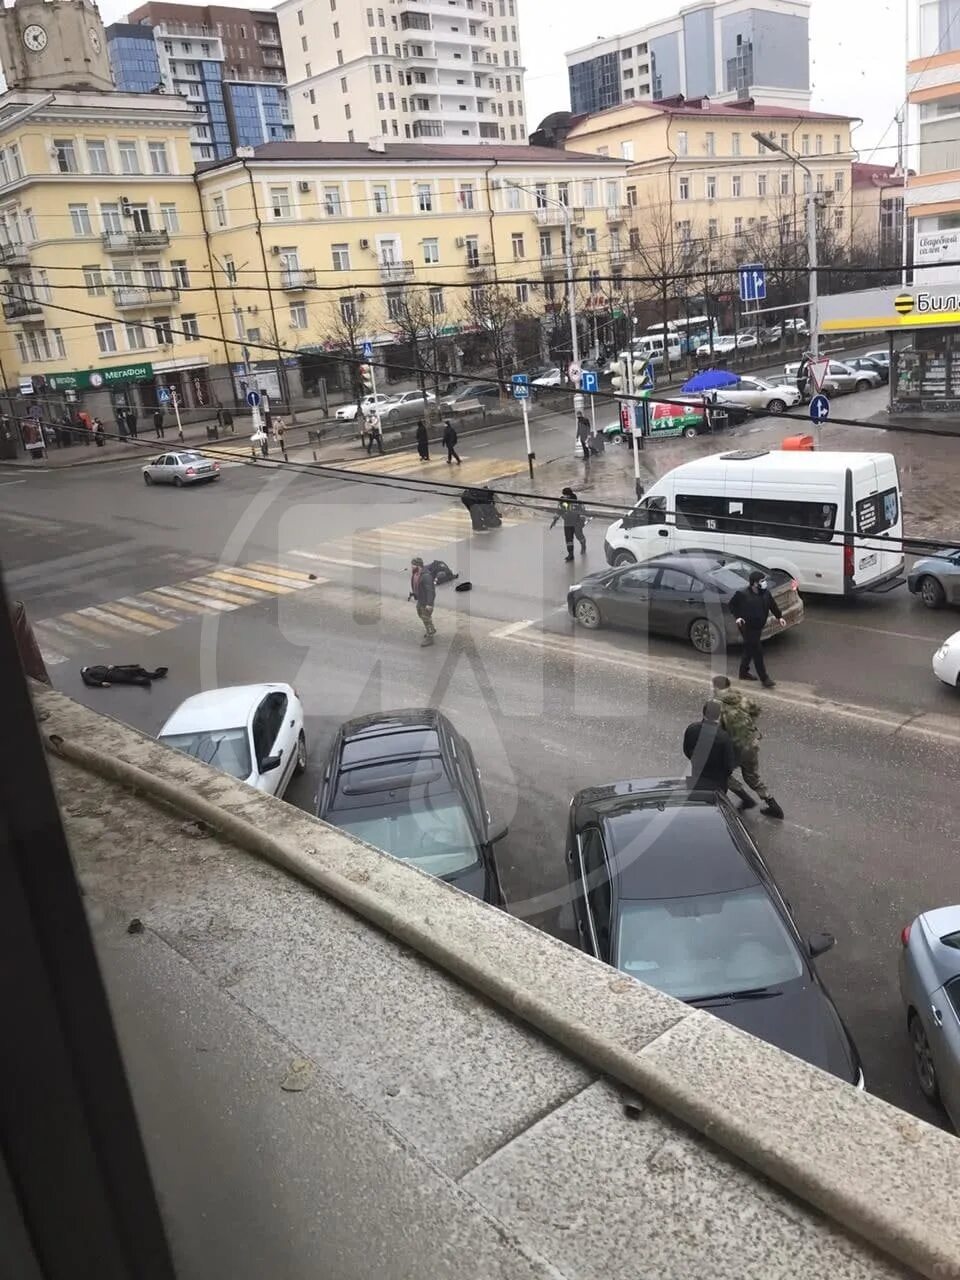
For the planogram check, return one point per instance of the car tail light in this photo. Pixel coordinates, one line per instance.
(190, 471)
(904, 935)
(848, 567)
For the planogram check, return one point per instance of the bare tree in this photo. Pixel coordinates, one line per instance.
(345, 326)
(494, 311)
(665, 254)
(423, 327)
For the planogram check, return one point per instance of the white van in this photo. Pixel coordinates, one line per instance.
(651, 345)
(831, 520)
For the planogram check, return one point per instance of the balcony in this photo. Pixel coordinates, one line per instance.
(552, 264)
(14, 255)
(268, 39)
(618, 213)
(134, 297)
(134, 241)
(395, 272)
(22, 309)
(298, 278)
(556, 215)
(480, 261)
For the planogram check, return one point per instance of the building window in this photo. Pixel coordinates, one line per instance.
(163, 331)
(299, 17)
(837, 143)
(136, 336)
(220, 211)
(80, 219)
(735, 144)
(304, 43)
(229, 270)
(106, 339)
(349, 314)
(169, 217)
(97, 157)
(158, 157)
(683, 189)
(804, 144)
(590, 236)
(341, 257)
(711, 186)
(589, 194)
(431, 250)
(683, 142)
(513, 197)
(838, 181)
(838, 219)
(381, 199)
(761, 184)
(93, 279)
(437, 306)
(632, 197)
(784, 183)
(280, 202)
(190, 326)
(180, 274)
(129, 157)
(298, 315)
(737, 228)
(821, 185)
(523, 291)
(331, 202)
(516, 242)
(712, 229)
(710, 144)
(736, 186)
(818, 144)
(66, 155)
(112, 222)
(343, 84)
(546, 244)
(467, 196)
(347, 113)
(395, 304)
(424, 198)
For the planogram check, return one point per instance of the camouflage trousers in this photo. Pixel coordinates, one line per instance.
(749, 758)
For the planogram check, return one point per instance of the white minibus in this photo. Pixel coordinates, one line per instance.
(651, 345)
(831, 520)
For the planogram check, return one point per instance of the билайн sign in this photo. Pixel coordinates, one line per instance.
(95, 379)
(890, 309)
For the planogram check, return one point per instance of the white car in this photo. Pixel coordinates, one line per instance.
(722, 346)
(946, 661)
(348, 412)
(551, 378)
(251, 731)
(758, 394)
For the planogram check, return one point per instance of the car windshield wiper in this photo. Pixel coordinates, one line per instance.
(751, 993)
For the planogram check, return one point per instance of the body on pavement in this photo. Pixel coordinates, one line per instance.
(739, 716)
(751, 607)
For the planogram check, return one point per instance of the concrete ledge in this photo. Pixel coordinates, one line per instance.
(490, 1089)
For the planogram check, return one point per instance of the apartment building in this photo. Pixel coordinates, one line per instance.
(227, 63)
(353, 235)
(719, 48)
(698, 174)
(877, 210)
(446, 71)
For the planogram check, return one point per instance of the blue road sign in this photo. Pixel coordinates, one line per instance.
(819, 409)
(589, 381)
(647, 380)
(253, 399)
(163, 395)
(367, 351)
(753, 282)
(521, 386)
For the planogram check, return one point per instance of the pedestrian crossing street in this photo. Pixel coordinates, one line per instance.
(472, 471)
(392, 545)
(221, 589)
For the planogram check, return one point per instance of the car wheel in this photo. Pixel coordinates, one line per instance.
(301, 764)
(862, 384)
(587, 614)
(147, 478)
(178, 481)
(623, 557)
(923, 1060)
(690, 433)
(704, 636)
(931, 592)
(776, 406)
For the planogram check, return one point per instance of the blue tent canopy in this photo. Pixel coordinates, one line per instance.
(711, 380)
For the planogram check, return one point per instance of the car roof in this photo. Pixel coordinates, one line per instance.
(387, 758)
(226, 708)
(696, 560)
(812, 462)
(665, 841)
(391, 735)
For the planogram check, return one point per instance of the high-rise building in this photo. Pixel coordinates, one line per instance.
(726, 49)
(226, 62)
(437, 70)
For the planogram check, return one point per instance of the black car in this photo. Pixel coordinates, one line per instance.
(669, 887)
(872, 365)
(407, 782)
(681, 593)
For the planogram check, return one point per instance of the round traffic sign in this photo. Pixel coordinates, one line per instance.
(253, 399)
(574, 371)
(819, 409)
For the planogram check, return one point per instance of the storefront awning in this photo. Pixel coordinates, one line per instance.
(891, 309)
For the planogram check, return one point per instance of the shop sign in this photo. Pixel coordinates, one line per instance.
(95, 379)
(936, 246)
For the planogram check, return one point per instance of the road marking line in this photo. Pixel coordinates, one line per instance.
(154, 610)
(89, 625)
(245, 580)
(5, 484)
(205, 595)
(165, 600)
(292, 581)
(297, 575)
(205, 587)
(352, 564)
(874, 631)
(125, 624)
(51, 657)
(504, 633)
(62, 630)
(140, 615)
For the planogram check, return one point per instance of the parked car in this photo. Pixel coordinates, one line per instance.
(936, 579)
(722, 345)
(684, 593)
(188, 466)
(405, 406)
(253, 732)
(771, 334)
(870, 365)
(348, 412)
(930, 991)
(407, 783)
(471, 395)
(840, 378)
(552, 377)
(796, 325)
(669, 887)
(946, 661)
(760, 395)
(881, 358)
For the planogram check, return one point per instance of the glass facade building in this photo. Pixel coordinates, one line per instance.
(133, 58)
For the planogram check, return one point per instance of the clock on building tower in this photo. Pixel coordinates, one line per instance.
(54, 44)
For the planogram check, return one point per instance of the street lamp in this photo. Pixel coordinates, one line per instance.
(813, 262)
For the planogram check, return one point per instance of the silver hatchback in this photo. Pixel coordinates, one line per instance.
(188, 466)
(930, 990)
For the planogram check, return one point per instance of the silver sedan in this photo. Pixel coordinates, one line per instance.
(930, 990)
(936, 579)
(185, 467)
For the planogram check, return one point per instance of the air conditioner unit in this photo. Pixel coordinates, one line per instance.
(364, 244)
(580, 231)
(461, 242)
(304, 187)
(275, 250)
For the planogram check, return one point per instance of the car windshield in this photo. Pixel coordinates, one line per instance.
(696, 947)
(227, 749)
(191, 456)
(437, 838)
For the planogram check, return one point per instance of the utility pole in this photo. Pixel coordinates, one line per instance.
(812, 258)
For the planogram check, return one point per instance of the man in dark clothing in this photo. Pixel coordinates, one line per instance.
(583, 435)
(423, 441)
(158, 421)
(424, 591)
(751, 608)
(570, 511)
(803, 373)
(449, 441)
(712, 755)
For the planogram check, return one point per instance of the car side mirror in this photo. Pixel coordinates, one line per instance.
(818, 943)
(269, 763)
(497, 832)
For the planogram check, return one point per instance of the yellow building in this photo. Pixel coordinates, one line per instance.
(698, 176)
(318, 246)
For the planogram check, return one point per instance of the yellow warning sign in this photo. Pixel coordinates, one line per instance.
(903, 302)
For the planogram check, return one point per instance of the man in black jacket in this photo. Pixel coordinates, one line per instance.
(449, 441)
(712, 755)
(424, 591)
(751, 608)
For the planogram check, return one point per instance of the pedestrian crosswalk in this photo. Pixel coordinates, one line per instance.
(429, 536)
(221, 589)
(472, 471)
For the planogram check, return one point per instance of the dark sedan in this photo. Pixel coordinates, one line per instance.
(681, 593)
(669, 887)
(407, 782)
(871, 365)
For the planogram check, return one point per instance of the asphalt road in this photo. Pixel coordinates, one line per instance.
(860, 740)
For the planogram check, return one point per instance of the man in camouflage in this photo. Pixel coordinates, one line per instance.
(739, 718)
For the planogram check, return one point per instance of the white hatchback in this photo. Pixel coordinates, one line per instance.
(252, 731)
(946, 661)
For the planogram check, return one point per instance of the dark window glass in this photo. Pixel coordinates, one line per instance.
(697, 511)
(678, 583)
(637, 579)
(878, 512)
(953, 992)
(598, 884)
(778, 518)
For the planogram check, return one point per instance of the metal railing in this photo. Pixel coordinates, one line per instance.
(21, 308)
(131, 241)
(554, 215)
(129, 296)
(298, 278)
(393, 271)
(13, 255)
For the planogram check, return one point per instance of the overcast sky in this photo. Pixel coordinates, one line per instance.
(857, 56)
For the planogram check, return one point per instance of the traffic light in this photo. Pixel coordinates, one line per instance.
(621, 374)
(638, 369)
(366, 378)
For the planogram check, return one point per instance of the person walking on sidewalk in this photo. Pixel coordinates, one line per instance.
(374, 434)
(98, 432)
(280, 436)
(751, 608)
(583, 435)
(423, 442)
(449, 441)
(570, 511)
(158, 421)
(423, 590)
(712, 755)
(739, 717)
